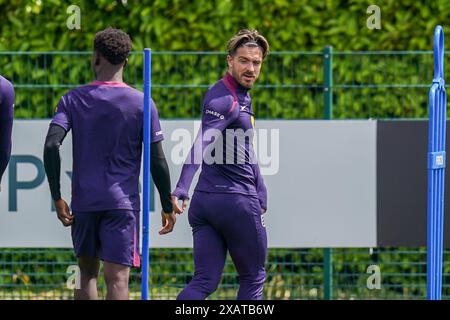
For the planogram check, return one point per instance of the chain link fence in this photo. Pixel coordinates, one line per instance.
(381, 85)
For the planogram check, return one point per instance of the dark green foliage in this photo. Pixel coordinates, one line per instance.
(206, 25)
(383, 85)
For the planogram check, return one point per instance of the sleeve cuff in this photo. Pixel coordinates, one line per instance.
(168, 210)
(180, 194)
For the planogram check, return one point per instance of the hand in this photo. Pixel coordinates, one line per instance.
(168, 222)
(63, 212)
(175, 206)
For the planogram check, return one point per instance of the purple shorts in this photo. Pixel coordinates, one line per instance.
(112, 236)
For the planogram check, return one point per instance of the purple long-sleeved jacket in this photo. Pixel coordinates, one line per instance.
(224, 146)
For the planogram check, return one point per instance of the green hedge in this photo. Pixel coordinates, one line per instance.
(366, 86)
(206, 25)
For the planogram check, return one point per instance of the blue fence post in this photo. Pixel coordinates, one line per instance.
(146, 173)
(436, 171)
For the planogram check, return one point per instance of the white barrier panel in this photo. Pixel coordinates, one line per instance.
(320, 176)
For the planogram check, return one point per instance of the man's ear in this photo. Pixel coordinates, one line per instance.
(229, 61)
(97, 58)
(125, 63)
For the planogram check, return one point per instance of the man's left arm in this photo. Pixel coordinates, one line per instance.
(60, 125)
(52, 164)
(52, 159)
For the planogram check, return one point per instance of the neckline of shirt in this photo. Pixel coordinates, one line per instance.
(236, 86)
(108, 83)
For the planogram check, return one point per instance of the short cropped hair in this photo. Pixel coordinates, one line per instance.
(248, 38)
(114, 44)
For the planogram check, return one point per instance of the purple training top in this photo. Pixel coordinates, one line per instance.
(6, 122)
(226, 109)
(106, 119)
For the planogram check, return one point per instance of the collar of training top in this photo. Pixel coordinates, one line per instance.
(233, 84)
(108, 83)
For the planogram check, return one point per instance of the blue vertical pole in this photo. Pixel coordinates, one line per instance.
(146, 168)
(436, 171)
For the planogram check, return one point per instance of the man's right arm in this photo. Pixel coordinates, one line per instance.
(217, 115)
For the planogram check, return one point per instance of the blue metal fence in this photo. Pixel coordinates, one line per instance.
(436, 170)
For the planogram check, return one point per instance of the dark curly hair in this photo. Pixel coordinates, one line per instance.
(114, 44)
